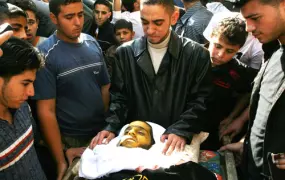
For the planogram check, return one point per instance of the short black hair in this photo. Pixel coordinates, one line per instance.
(129, 5)
(269, 2)
(168, 4)
(27, 5)
(18, 56)
(54, 5)
(11, 11)
(123, 24)
(232, 30)
(104, 2)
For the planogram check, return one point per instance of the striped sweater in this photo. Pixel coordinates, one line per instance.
(18, 158)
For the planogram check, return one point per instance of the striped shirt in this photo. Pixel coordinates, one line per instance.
(193, 23)
(18, 158)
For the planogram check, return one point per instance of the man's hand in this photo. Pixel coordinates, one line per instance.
(234, 147)
(4, 37)
(61, 169)
(233, 129)
(174, 142)
(72, 153)
(279, 160)
(224, 123)
(99, 138)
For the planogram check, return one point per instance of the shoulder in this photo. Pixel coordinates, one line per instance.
(87, 39)
(49, 44)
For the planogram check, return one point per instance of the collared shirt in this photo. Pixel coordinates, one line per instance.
(193, 23)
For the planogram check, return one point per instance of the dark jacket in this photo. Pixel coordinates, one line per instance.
(275, 126)
(175, 97)
(106, 35)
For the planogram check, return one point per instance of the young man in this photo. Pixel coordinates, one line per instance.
(162, 78)
(231, 78)
(18, 66)
(123, 31)
(32, 21)
(104, 31)
(266, 127)
(72, 91)
(17, 18)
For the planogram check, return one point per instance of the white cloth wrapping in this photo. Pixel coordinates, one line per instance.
(110, 158)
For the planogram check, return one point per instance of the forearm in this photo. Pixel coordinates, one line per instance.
(106, 96)
(117, 5)
(240, 105)
(244, 115)
(51, 134)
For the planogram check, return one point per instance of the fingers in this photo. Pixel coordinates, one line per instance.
(4, 37)
(163, 137)
(93, 142)
(174, 142)
(109, 138)
(280, 163)
(234, 147)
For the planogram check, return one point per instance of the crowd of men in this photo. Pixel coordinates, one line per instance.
(76, 71)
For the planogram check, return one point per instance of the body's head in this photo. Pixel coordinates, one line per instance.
(18, 66)
(137, 134)
(124, 31)
(131, 5)
(102, 12)
(226, 39)
(33, 20)
(68, 17)
(16, 17)
(157, 16)
(265, 19)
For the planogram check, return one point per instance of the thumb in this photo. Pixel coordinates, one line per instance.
(163, 137)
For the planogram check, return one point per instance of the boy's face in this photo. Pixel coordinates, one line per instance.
(221, 51)
(19, 25)
(17, 89)
(124, 35)
(137, 134)
(32, 26)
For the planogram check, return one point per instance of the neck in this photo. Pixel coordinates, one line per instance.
(36, 40)
(5, 114)
(64, 38)
(188, 5)
(281, 39)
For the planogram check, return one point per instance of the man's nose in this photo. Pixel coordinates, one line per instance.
(250, 27)
(23, 35)
(31, 91)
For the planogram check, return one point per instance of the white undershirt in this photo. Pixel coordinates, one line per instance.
(157, 51)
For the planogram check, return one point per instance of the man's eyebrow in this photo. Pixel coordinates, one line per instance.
(158, 20)
(250, 16)
(17, 24)
(28, 80)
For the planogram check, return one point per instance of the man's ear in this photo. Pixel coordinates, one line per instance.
(109, 14)
(53, 18)
(174, 17)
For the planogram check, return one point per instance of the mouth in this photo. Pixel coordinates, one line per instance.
(128, 138)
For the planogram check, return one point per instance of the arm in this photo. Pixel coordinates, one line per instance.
(117, 5)
(51, 133)
(105, 96)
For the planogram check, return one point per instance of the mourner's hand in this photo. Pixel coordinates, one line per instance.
(72, 153)
(61, 169)
(279, 160)
(233, 129)
(234, 147)
(141, 168)
(174, 142)
(224, 123)
(4, 37)
(98, 139)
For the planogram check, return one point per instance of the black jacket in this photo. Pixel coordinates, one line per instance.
(175, 97)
